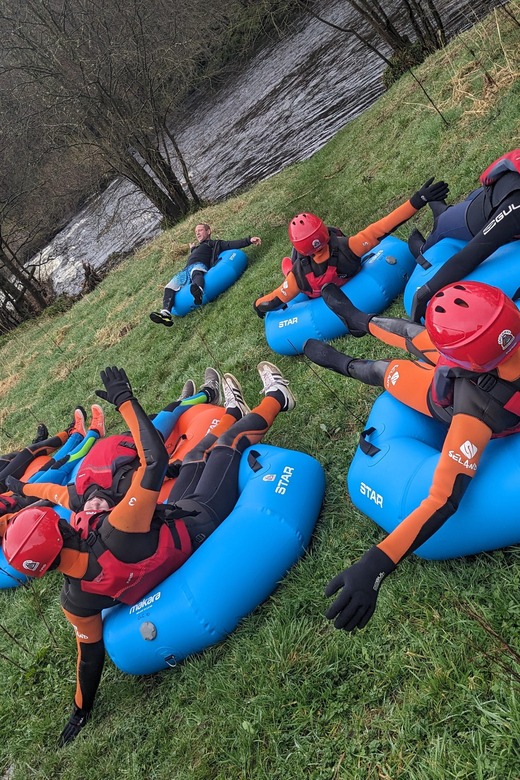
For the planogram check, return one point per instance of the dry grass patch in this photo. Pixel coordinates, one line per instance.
(6, 385)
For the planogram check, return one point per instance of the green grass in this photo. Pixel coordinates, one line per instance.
(427, 690)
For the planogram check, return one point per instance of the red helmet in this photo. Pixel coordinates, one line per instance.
(33, 540)
(308, 233)
(473, 325)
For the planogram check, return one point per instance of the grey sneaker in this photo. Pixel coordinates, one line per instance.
(212, 386)
(188, 390)
(273, 380)
(233, 396)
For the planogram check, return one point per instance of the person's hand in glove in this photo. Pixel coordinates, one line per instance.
(420, 302)
(429, 192)
(356, 603)
(117, 386)
(15, 485)
(77, 720)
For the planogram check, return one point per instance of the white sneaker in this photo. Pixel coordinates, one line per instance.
(188, 390)
(212, 386)
(272, 380)
(233, 396)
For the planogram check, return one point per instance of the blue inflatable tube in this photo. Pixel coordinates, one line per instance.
(383, 275)
(236, 569)
(390, 481)
(230, 266)
(501, 269)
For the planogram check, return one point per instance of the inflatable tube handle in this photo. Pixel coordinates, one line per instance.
(253, 462)
(422, 261)
(366, 447)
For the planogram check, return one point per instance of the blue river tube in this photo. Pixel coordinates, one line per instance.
(392, 472)
(233, 572)
(230, 266)
(383, 275)
(501, 269)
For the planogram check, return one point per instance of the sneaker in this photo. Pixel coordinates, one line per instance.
(41, 434)
(197, 293)
(78, 425)
(233, 396)
(97, 420)
(188, 390)
(162, 317)
(211, 386)
(273, 381)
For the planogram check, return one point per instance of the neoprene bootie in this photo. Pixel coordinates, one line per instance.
(327, 356)
(353, 318)
(415, 243)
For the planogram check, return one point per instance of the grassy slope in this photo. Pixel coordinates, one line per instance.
(425, 691)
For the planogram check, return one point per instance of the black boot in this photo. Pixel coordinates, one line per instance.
(353, 318)
(324, 355)
(41, 434)
(416, 243)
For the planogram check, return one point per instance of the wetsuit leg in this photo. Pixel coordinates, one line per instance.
(17, 466)
(166, 420)
(91, 657)
(406, 335)
(451, 223)
(59, 472)
(195, 460)
(168, 298)
(216, 493)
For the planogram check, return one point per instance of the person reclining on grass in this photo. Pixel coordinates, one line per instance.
(110, 556)
(201, 259)
(488, 219)
(73, 443)
(108, 469)
(324, 255)
(468, 376)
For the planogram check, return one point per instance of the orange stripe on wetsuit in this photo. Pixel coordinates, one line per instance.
(452, 476)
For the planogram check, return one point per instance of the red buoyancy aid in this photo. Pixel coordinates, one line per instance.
(508, 162)
(442, 393)
(103, 460)
(129, 582)
(306, 267)
(8, 504)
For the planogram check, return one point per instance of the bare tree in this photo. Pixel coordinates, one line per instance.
(107, 73)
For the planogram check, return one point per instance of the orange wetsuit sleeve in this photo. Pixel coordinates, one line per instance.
(366, 239)
(285, 292)
(134, 513)
(58, 494)
(91, 657)
(466, 440)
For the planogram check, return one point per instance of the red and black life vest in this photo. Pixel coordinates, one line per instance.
(103, 461)
(504, 393)
(341, 265)
(129, 582)
(508, 162)
(499, 181)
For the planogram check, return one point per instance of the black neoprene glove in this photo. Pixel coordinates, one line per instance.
(16, 485)
(77, 720)
(117, 386)
(428, 192)
(420, 302)
(356, 603)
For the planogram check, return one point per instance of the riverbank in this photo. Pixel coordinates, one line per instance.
(425, 691)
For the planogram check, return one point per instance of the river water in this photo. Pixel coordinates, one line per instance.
(290, 99)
